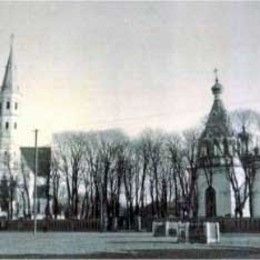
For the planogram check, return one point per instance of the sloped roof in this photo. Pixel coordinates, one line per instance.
(218, 123)
(44, 159)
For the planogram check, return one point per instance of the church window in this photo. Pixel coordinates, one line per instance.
(7, 105)
(16, 105)
(0, 107)
(15, 125)
(210, 202)
(6, 125)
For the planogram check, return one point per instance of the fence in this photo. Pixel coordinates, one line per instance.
(244, 225)
(51, 225)
(227, 225)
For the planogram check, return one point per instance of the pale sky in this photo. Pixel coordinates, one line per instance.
(87, 65)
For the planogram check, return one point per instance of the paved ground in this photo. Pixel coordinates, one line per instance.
(122, 245)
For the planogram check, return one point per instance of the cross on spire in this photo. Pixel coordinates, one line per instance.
(216, 74)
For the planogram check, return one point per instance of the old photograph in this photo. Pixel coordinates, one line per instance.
(129, 129)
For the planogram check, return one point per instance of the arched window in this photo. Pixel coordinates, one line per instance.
(15, 125)
(6, 125)
(16, 105)
(210, 201)
(7, 105)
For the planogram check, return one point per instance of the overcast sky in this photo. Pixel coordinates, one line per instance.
(129, 65)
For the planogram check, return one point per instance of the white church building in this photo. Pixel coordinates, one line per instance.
(16, 162)
(221, 177)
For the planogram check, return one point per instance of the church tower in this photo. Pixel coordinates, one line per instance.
(9, 115)
(219, 168)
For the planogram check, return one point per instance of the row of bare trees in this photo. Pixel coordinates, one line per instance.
(101, 174)
(105, 175)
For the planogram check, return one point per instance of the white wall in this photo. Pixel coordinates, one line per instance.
(225, 200)
(223, 192)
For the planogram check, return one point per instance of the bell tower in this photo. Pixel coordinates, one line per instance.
(9, 115)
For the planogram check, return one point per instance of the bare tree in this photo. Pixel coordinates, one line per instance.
(182, 156)
(248, 121)
(174, 145)
(70, 149)
(151, 153)
(55, 177)
(110, 143)
(129, 182)
(190, 152)
(142, 156)
(156, 153)
(92, 176)
(24, 187)
(246, 118)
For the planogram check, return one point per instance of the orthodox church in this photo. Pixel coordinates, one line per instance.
(222, 189)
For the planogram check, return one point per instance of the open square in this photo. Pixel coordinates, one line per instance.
(122, 245)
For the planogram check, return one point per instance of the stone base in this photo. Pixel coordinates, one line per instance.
(206, 232)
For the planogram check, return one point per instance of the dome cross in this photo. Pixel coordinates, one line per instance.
(216, 74)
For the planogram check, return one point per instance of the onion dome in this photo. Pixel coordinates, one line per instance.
(218, 124)
(217, 89)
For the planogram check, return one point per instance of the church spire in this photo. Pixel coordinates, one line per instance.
(218, 124)
(8, 76)
(217, 88)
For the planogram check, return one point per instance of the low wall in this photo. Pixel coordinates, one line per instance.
(50, 225)
(244, 225)
(227, 225)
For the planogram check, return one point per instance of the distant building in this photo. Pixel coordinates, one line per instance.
(10, 97)
(17, 163)
(43, 179)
